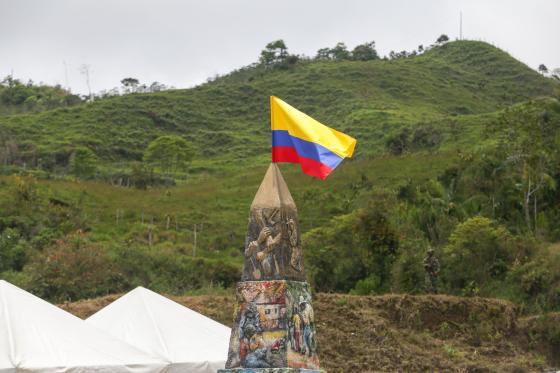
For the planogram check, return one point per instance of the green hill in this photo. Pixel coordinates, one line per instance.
(228, 119)
(427, 173)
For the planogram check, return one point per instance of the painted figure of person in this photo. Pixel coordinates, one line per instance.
(249, 317)
(291, 335)
(295, 249)
(431, 266)
(263, 247)
(296, 321)
(255, 351)
(308, 319)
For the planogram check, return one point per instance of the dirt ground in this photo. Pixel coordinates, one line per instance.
(405, 333)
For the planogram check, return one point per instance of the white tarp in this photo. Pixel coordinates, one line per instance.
(190, 341)
(36, 336)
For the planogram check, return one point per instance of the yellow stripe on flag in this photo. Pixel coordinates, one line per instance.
(301, 125)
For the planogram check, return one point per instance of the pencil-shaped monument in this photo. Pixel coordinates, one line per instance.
(274, 323)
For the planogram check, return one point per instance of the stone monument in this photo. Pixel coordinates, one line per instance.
(274, 325)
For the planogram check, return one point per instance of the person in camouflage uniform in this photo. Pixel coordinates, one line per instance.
(431, 266)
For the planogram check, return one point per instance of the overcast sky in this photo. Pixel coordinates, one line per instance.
(183, 42)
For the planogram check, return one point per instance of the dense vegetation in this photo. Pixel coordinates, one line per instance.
(17, 97)
(456, 151)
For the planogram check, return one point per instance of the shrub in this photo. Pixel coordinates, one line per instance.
(398, 143)
(538, 282)
(367, 286)
(13, 250)
(426, 137)
(73, 268)
(83, 162)
(479, 250)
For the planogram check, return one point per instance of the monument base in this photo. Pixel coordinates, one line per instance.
(270, 370)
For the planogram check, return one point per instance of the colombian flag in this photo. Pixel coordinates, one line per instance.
(298, 138)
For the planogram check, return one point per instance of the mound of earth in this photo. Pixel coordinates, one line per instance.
(406, 333)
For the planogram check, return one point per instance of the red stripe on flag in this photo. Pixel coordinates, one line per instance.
(309, 166)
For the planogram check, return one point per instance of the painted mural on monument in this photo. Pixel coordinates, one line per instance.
(273, 246)
(302, 342)
(258, 337)
(274, 326)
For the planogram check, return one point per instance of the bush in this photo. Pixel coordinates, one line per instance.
(398, 143)
(83, 163)
(13, 250)
(367, 286)
(537, 282)
(73, 268)
(408, 274)
(426, 137)
(354, 247)
(479, 250)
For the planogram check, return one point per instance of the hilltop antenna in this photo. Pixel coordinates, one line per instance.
(461, 25)
(85, 70)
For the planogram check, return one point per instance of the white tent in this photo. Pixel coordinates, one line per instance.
(190, 341)
(36, 336)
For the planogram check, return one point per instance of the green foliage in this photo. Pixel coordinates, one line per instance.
(17, 97)
(169, 153)
(478, 251)
(408, 275)
(13, 250)
(83, 163)
(426, 137)
(367, 286)
(398, 143)
(276, 55)
(528, 136)
(73, 269)
(354, 251)
(365, 52)
(537, 282)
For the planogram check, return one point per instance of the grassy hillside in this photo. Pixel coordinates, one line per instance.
(426, 171)
(228, 122)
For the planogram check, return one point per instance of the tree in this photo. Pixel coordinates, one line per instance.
(83, 162)
(527, 137)
(479, 250)
(274, 53)
(442, 39)
(543, 69)
(323, 54)
(365, 52)
(130, 85)
(157, 87)
(556, 73)
(340, 52)
(169, 153)
(378, 239)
